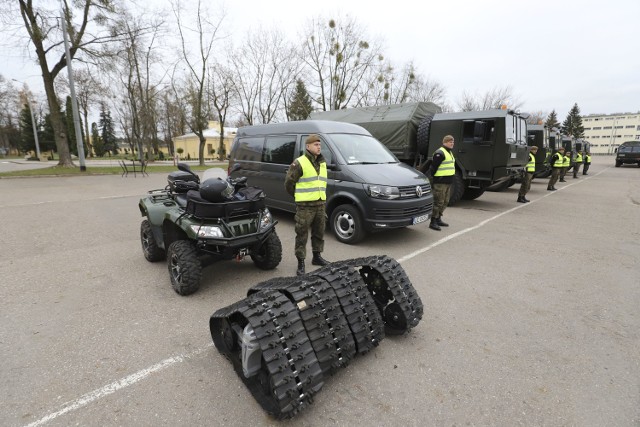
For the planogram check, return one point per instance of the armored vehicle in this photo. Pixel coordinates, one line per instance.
(539, 136)
(490, 148)
(628, 152)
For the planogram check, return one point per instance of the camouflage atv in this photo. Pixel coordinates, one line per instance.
(195, 224)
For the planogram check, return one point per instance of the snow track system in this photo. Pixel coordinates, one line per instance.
(292, 332)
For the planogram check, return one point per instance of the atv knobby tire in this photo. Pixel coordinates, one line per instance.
(185, 269)
(269, 254)
(152, 252)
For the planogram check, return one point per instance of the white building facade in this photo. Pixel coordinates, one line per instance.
(606, 132)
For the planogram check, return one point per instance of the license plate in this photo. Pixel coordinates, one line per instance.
(419, 219)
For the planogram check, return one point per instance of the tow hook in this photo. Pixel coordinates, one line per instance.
(241, 254)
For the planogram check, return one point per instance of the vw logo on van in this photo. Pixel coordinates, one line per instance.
(418, 191)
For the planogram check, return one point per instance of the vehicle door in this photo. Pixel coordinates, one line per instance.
(277, 155)
(475, 149)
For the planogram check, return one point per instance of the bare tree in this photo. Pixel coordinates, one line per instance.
(340, 59)
(44, 27)
(492, 99)
(206, 32)
(221, 95)
(265, 69)
(537, 117)
(88, 91)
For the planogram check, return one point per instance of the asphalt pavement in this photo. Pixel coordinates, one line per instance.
(530, 314)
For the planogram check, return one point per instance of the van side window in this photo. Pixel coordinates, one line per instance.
(279, 149)
(249, 148)
(325, 151)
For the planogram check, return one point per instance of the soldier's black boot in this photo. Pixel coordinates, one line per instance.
(441, 223)
(434, 224)
(300, 270)
(318, 260)
(521, 199)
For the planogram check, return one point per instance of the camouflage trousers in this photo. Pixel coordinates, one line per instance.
(526, 184)
(441, 194)
(314, 218)
(555, 172)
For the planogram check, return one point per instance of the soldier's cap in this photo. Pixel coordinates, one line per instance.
(312, 138)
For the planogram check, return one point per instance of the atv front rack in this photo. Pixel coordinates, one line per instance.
(292, 332)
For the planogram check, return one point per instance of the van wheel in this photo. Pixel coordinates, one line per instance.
(618, 164)
(457, 189)
(185, 268)
(347, 225)
(422, 138)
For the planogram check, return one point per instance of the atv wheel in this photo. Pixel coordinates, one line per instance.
(269, 254)
(347, 224)
(152, 252)
(185, 269)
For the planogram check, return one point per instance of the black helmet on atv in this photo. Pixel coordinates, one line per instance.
(216, 190)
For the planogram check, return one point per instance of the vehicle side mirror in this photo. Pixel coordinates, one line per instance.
(333, 167)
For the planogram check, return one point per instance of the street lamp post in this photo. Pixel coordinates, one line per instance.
(33, 121)
(74, 101)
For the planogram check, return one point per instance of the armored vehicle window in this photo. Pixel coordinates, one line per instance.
(279, 149)
(516, 130)
(248, 148)
(478, 132)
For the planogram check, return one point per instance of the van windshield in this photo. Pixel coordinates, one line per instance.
(361, 149)
(629, 149)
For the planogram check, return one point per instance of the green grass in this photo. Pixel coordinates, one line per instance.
(97, 170)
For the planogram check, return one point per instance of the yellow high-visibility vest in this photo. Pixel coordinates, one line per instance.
(448, 165)
(559, 161)
(578, 158)
(311, 186)
(531, 166)
(566, 161)
(587, 158)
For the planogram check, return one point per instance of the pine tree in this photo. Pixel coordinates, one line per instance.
(572, 125)
(107, 133)
(552, 120)
(27, 140)
(96, 140)
(300, 104)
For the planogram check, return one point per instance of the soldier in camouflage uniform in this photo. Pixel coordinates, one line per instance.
(306, 181)
(443, 169)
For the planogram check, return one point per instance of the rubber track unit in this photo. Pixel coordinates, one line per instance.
(309, 326)
(396, 298)
(291, 374)
(322, 316)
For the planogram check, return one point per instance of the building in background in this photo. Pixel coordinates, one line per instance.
(606, 132)
(190, 144)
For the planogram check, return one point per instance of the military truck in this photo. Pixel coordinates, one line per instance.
(539, 136)
(490, 147)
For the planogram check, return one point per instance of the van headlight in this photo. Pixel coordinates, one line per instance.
(382, 191)
(207, 231)
(266, 219)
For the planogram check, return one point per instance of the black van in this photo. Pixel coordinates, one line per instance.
(368, 190)
(628, 152)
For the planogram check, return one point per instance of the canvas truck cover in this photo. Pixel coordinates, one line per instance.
(396, 126)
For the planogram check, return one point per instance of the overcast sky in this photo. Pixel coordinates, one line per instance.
(551, 53)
